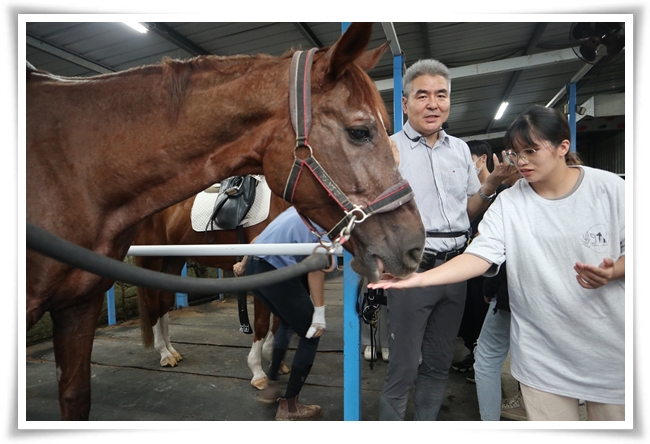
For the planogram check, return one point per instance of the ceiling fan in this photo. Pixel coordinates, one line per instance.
(590, 36)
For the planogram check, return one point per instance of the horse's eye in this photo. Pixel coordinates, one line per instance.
(359, 134)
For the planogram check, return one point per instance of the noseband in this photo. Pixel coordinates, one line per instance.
(300, 108)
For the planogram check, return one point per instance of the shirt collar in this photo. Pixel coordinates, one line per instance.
(411, 134)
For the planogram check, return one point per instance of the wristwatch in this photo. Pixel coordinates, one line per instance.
(485, 198)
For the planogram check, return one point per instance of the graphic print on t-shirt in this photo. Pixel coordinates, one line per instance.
(597, 238)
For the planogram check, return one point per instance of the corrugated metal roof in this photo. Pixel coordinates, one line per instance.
(84, 49)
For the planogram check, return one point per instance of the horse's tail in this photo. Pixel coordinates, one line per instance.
(146, 328)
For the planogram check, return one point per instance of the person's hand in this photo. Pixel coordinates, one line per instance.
(501, 172)
(591, 277)
(239, 268)
(317, 323)
(388, 281)
(487, 300)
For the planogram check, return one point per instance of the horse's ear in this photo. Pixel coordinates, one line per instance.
(346, 50)
(369, 59)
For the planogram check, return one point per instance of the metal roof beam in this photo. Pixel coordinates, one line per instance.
(177, 39)
(67, 55)
(427, 39)
(512, 64)
(578, 75)
(391, 36)
(604, 105)
(308, 34)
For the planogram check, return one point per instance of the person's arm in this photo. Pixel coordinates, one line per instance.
(458, 269)
(502, 171)
(591, 277)
(316, 280)
(239, 268)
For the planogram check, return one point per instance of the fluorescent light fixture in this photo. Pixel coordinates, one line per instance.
(502, 109)
(137, 26)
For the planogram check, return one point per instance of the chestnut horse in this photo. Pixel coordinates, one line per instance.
(105, 152)
(172, 226)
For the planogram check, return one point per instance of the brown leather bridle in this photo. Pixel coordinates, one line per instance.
(300, 109)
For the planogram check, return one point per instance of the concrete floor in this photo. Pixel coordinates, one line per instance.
(212, 383)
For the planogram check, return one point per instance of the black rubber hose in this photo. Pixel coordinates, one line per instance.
(48, 244)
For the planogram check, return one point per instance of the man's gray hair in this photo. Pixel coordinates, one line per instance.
(422, 67)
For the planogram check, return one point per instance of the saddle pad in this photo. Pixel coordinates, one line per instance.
(204, 205)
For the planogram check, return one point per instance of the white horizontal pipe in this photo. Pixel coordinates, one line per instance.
(227, 250)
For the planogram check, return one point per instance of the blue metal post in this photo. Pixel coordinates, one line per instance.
(219, 275)
(351, 336)
(181, 298)
(398, 114)
(572, 114)
(351, 344)
(110, 305)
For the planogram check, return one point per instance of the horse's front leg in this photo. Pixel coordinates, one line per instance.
(161, 341)
(73, 334)
(254, 361)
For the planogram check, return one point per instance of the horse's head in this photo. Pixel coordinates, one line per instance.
(349, 139)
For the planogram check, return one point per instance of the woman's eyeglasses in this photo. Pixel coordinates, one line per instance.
(527, 154)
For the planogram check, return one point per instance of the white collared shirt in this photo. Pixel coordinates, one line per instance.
(442, 178)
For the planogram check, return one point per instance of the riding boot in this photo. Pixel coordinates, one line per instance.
(292, 410)
(387, 412)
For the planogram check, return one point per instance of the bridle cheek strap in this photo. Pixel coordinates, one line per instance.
(300, 110)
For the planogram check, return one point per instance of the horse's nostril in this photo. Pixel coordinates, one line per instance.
(415, 255)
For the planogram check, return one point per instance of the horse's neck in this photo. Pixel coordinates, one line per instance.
(222, 129)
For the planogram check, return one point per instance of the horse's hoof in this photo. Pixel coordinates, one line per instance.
(260, 384)
(168, 362)
(283, 370)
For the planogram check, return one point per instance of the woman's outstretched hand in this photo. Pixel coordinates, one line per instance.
(389, 281)
(591, 277)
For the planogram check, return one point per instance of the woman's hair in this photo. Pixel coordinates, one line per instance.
(423, 67)
(480, 147)
(537, 124)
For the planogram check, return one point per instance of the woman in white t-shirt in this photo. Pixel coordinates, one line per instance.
(562, 229)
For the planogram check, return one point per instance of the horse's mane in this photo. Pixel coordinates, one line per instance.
(177, 73)
(32, 69)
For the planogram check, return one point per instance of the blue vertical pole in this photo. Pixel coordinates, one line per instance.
(398, 61)
(351, 336)
(110, 305)
(219, 276)
(181, 298)
(351, 344)
(572, 114)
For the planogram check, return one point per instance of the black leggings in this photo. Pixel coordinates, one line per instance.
(290, 301)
